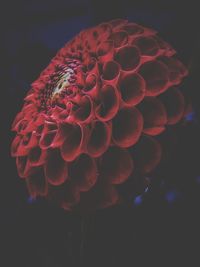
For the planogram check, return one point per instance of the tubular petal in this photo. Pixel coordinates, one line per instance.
(132, 88)
(109, 103)
(116, 165)
(23, 166)
(37, 156)
(127, 127)
(55, 168)
(147, 46)
(105, 51)
(73, 144)
(83, 172)
(128, 57)
(154, 115)
(111, 72)
(37, 184)
(120, 38)
(84, 111)
(147, 154)
(173, 101)
(47, 139)
(99, 138)
(155, 73)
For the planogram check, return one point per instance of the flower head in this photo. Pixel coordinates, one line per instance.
(89, 122)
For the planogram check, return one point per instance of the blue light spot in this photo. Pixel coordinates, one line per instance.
(31, 200)
(190, 116)
(171, 196)
(138, 200)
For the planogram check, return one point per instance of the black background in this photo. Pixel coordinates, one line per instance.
(163, 230)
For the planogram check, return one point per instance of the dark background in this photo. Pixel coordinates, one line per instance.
(162, 226)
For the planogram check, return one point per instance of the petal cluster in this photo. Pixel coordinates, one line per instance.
(90, 120)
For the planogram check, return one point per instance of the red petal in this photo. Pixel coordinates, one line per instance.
(147, 154)
(132, 88)
(156, 75)
(99, 138)
(55, 168)
(111, 71)
(128, 57)
(91, 86)
(109, 103)
(37, 184)
(133, 29)
(36, 156)
(120, 38)
(83, 172)
(105, 51)
(147, 46)
(173, 101)
(15, 147)
(23, 167)
(154, 115)
(116, 165)
(127, 127)
(73, 144)
(84, 111)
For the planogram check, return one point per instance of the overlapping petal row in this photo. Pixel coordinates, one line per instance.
(89, 122)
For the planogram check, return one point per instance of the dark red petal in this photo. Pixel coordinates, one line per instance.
(92, 66)
(37, 156)
(117, 23)
(47, 139)
(55, 168)
(156, 75)
(64, 130)
(167, 50)
(116, 165)
(18, 118)
(105, 51)
(128, 57)
(132, 88)
(111, 70)
(133, 28)
(109, 103)
(73, 144)
(70, 198)
(99, 139)
(109, 197)
(176, 69)
(15, 147)
(147, 46)
(58, 193)
(30, 140)
(127, 127)
(19, 148)
(173, 101)
(84, 110)
(37, 184)
(154, 115)
(120, 38)
(23, 166)
(91, 85)
(147, 154)
(83, 172)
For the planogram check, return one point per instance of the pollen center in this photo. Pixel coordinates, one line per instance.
(63, 82)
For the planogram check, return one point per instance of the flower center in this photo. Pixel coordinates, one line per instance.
(61, 84)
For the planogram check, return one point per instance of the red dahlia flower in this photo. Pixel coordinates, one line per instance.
(88, 122)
